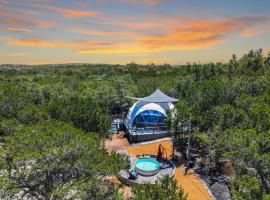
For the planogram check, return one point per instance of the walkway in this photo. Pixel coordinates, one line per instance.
(192, 185)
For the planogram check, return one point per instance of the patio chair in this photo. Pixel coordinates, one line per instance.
(133, 175)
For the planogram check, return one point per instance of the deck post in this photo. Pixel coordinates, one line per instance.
(189, 137)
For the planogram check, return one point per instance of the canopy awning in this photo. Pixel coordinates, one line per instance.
(156, 97)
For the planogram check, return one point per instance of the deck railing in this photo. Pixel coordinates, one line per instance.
(150, 130)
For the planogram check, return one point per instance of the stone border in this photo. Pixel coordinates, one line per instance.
(174, 168)
(124, 180)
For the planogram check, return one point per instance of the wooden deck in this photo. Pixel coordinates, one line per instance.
(151, 147)
(191, 184)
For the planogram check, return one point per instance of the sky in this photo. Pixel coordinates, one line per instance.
(124, 31)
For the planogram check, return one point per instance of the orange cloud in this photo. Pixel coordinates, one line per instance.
(144, 2)
(198, 33)
(189, 34)
(15, 29)
(250, 32)
(70, 12)
(16, 22)
(16, 54)
(97, 32)
(145, 25)
(175, 33)
(38, 43)
(152, 2)
(131, 25)
(6, 11)
(18, 18)
(57, 44)
(256, 30)
(24, 22)
(127, 35)
(112, 50)
(79, 46)
(42, 23)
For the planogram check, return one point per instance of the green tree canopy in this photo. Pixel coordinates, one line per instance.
(52, 160)
(165, 188)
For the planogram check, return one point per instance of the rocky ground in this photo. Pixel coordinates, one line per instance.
(217, 183)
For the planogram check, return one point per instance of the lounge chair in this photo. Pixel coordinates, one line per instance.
(133, 175)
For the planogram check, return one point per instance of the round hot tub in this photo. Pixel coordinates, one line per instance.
(147, 166)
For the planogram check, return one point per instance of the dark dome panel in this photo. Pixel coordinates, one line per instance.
(149, 118)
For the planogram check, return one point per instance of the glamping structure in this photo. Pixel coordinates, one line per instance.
(146, 118)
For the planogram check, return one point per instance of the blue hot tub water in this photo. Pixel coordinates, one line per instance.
(147, 164)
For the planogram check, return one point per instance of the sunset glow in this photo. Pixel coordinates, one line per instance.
(121, 31)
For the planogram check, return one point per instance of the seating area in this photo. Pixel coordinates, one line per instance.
(191, 183)
(167, 169)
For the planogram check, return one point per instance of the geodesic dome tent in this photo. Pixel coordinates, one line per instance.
(149, 111)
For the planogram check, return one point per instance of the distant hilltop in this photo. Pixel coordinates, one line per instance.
(25, 66)
(29, 66)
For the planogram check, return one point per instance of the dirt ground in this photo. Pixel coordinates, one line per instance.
(191, 183)
(116, 143)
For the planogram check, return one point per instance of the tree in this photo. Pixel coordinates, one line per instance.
(226, 116)
(53, 160)
(197, 72)
(260, 115)
(247, 149)
(230, 69)
(32, 114)
(246, 187)
(7, 126)
(177, 122)
(252, 61)
(84, 113)
(165, 188)
(212, 70)
(231, 66)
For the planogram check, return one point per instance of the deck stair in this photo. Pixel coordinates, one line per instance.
(114, 128)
